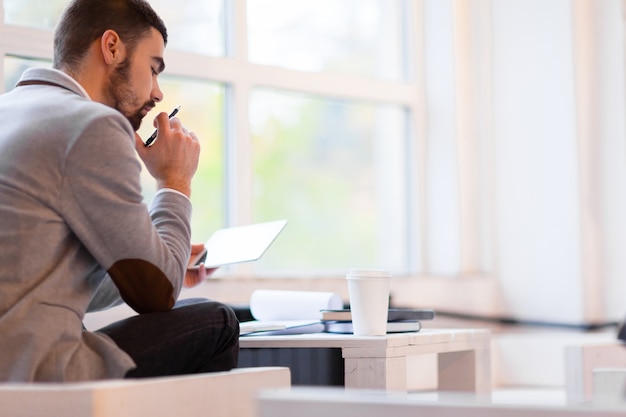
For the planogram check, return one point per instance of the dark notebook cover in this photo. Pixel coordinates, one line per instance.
(395, 314)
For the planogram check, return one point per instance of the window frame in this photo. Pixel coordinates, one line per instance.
(240, 77)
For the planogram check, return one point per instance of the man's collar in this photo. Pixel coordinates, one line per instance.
(53, 76)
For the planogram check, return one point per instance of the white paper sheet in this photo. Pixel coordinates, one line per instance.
(292, 305)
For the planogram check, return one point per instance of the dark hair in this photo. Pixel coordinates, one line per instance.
(84, 21)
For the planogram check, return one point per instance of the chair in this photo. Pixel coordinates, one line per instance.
(224, 394)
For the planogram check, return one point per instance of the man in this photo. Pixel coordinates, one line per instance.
(74, 233)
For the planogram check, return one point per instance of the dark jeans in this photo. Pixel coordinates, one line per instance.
(196, 336)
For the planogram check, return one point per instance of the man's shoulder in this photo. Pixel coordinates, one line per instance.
(50, 76)
(81, 118)
(63, 98)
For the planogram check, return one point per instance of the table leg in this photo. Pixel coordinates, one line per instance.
(376, 373)
(468, 370)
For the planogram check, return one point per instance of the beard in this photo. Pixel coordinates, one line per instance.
(120, 93)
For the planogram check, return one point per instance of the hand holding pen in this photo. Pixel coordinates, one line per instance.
(153, 136)
(173, 162)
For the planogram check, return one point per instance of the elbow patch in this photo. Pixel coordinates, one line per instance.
(142, 285)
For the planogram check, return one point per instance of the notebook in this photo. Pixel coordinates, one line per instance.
(393, 314)
(400, 326)
(248, 327)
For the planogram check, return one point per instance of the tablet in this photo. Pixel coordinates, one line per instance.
(239, 244)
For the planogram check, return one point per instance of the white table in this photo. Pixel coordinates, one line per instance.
(314, 402)
(380, 362)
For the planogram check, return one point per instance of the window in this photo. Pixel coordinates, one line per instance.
(42, 14)
(336, 170)
(433, 138)
(197, 26)
(352, 37)
(307, 114)
(15, 66)
(202, 111)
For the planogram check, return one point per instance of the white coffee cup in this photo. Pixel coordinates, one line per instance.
(369, 301)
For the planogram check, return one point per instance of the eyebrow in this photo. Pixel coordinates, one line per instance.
(160, 63)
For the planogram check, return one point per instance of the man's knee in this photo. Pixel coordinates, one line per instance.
(209, 309)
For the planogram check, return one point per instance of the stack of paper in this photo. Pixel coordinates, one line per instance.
(288, 312)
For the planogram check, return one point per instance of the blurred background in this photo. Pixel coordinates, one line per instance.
(474, 148)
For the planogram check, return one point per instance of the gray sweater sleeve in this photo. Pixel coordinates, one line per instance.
(145, 252)
(106, 296)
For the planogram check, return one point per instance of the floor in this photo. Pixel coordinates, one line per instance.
(512, 396)
(539, 396)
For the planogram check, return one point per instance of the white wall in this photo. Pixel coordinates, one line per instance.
(607, 156)
(560, 160)
(525, 116)
(537, 172)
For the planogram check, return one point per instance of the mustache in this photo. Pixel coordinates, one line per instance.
(150, 104)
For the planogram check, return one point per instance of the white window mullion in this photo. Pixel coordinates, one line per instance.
(238, 142)
(239, 171)
(473, 103)
(232, 70)
(416, 140)
(30, 43)
(35, 43)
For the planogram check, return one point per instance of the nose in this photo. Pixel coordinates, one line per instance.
(157, 94)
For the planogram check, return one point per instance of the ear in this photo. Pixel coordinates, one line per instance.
(112, 47)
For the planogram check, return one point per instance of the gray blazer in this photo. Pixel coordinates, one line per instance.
(72, 221)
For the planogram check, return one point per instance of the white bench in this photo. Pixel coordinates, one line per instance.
(222, 394)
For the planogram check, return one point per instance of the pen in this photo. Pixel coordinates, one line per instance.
(154, 135)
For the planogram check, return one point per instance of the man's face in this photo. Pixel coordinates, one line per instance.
(133, 88)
